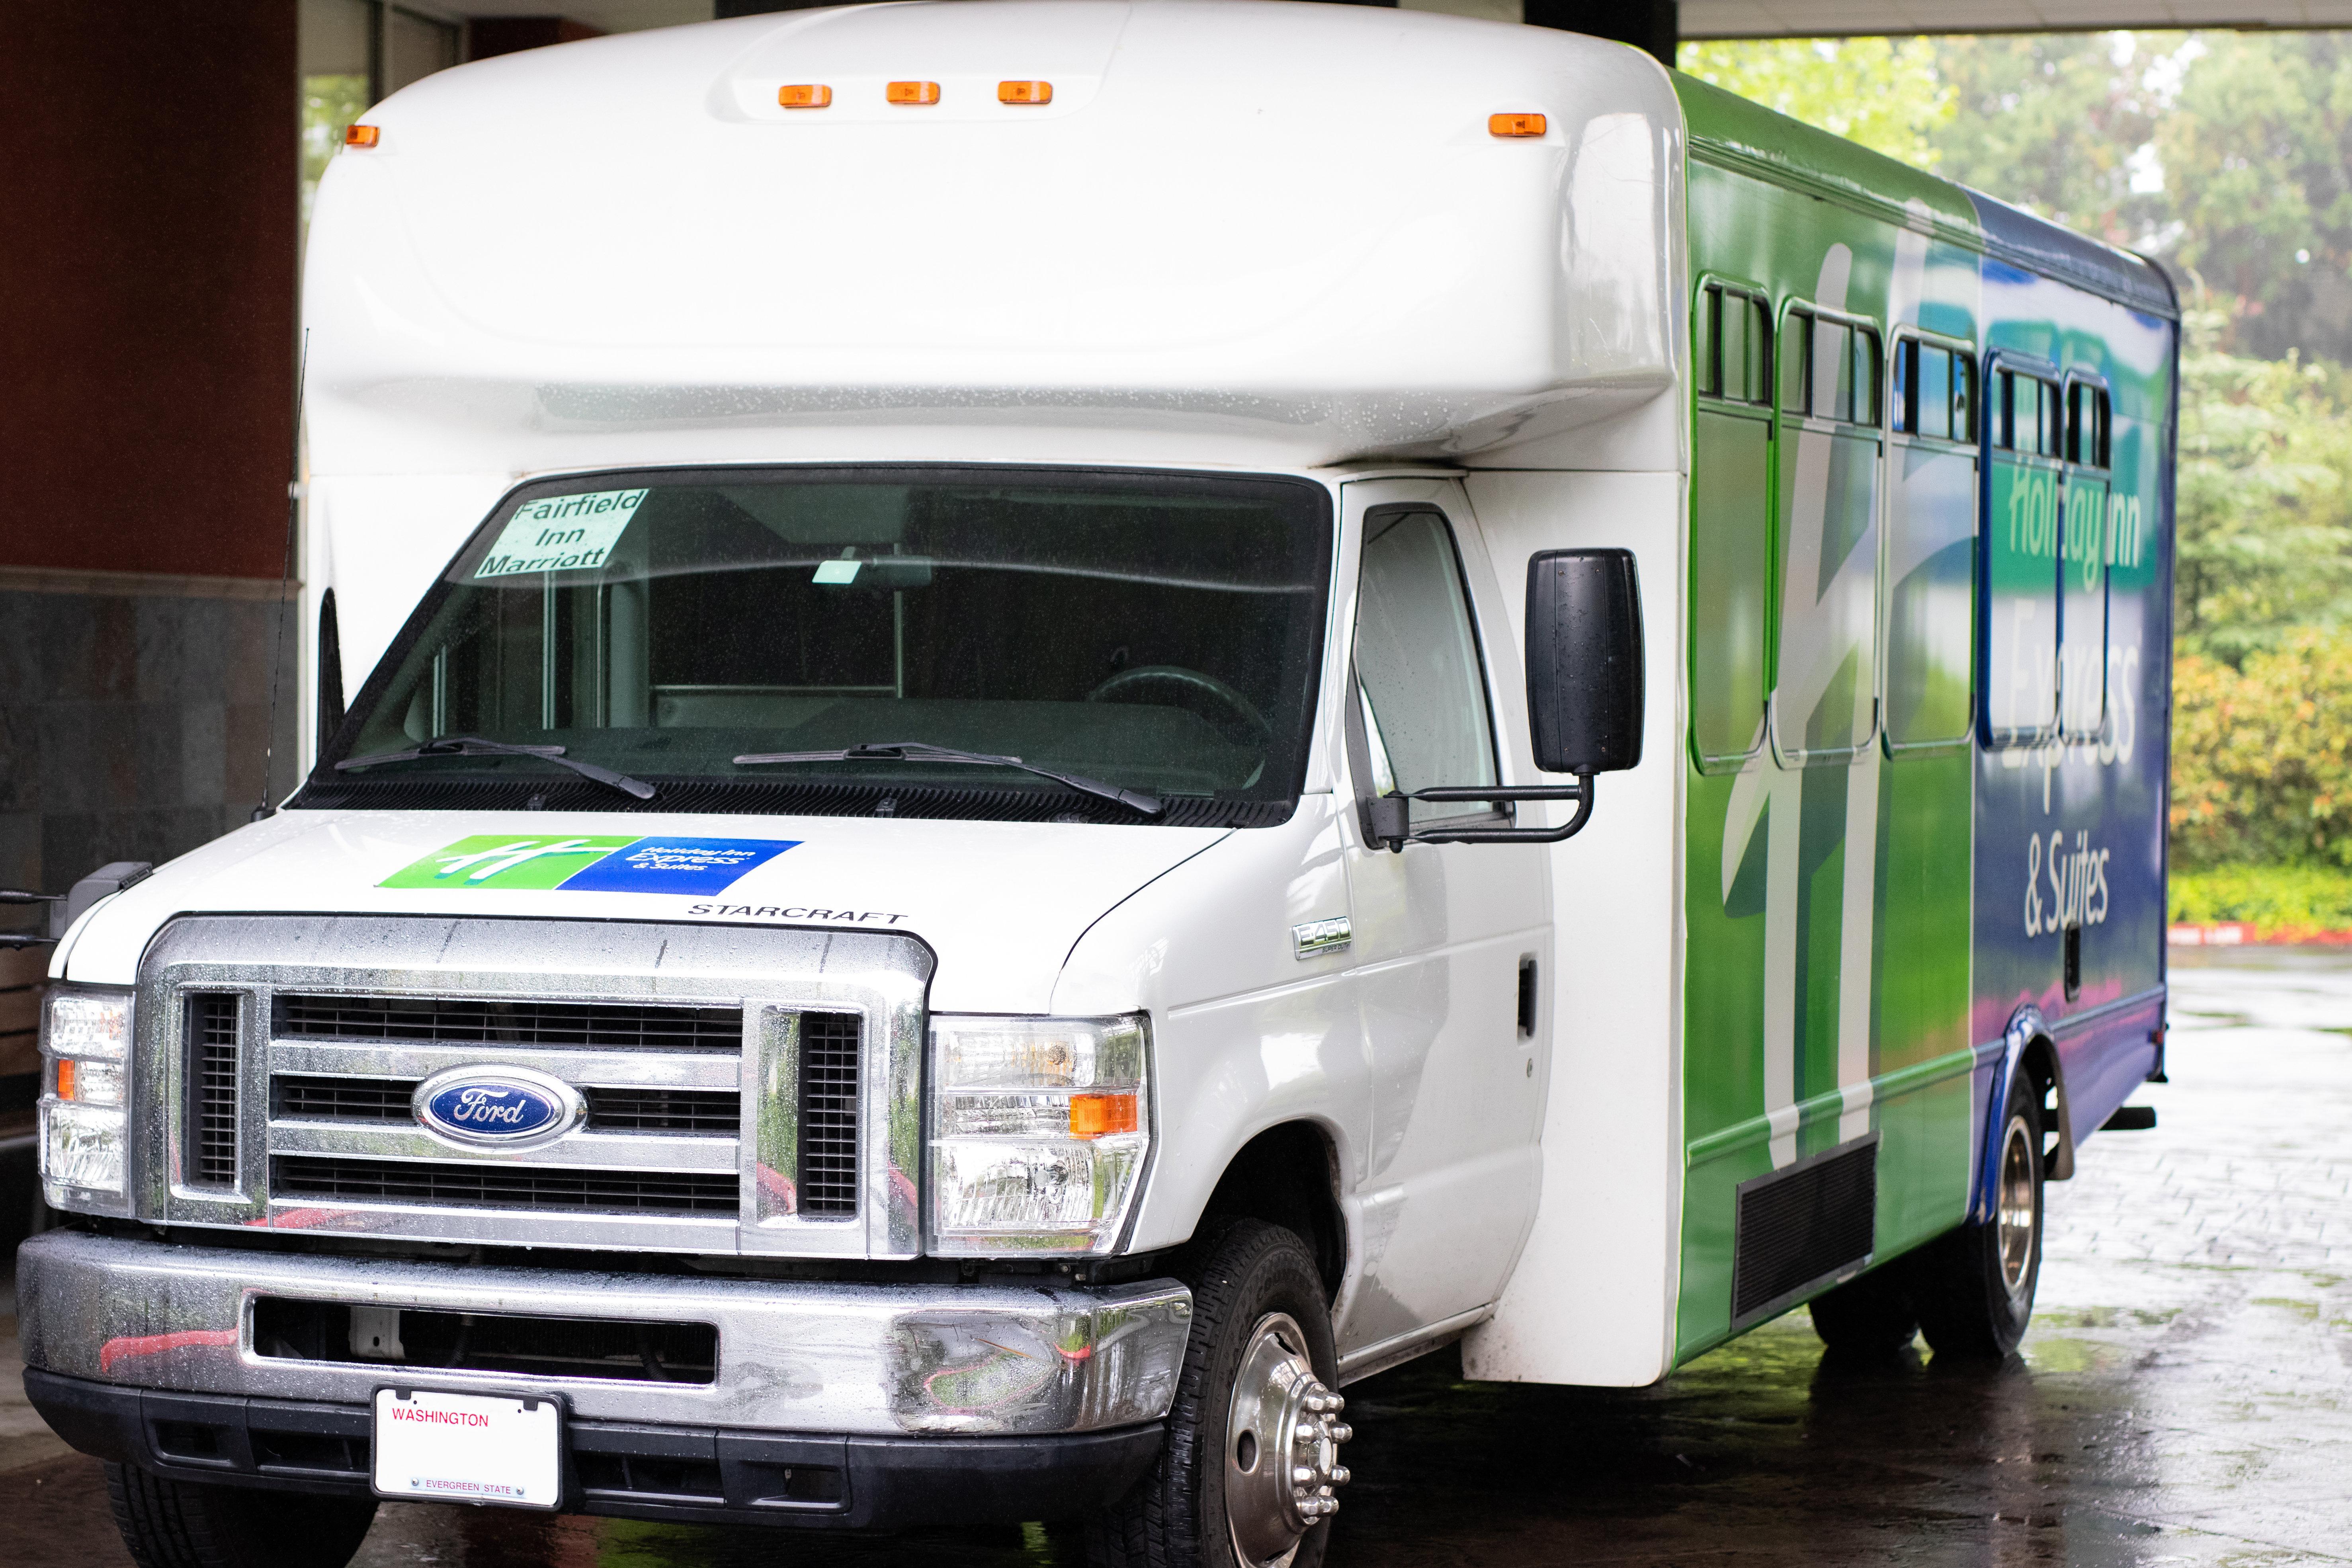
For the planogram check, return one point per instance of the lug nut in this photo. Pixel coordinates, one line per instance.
(1303, 1474)
(1340, 1431)
(1338, 1475)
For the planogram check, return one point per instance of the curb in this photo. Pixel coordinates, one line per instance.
(2240, 933)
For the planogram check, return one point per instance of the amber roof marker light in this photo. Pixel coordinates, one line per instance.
(1024, 92)
(912, 92)
(1516, 124)
(362, 135)
(806, 95)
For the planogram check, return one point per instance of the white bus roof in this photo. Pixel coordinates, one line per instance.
(1243, 231)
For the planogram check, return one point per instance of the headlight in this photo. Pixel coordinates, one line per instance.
(1039, 1127)
(84, 1091)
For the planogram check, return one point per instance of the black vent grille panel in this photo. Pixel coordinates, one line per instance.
(1799, 1227)
(590, 1025)
(287, 1328)
(213, 1021)
(827, 1178)
(341, 1099)
(696, 1112)
(437, 1184)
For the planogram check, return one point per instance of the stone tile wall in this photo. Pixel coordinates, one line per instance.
(134, 718)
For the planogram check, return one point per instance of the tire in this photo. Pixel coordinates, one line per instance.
(1974, 1286)
(180, 1524)
(1868, 1318)
(1256, 1387)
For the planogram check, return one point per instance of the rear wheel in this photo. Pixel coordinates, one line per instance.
(1974, 1286)
(1871, 1316)
(1247, 1476)
(180, 1524)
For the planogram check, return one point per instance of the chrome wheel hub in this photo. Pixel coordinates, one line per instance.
(1282, 1446)
(2018, 1218)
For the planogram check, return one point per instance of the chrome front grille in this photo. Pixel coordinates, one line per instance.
(739, 1089)
(344, 1071)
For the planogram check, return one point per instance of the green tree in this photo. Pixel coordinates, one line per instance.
(2054, 122)
(2264, 543)
(1882, 92)
(2257, 160)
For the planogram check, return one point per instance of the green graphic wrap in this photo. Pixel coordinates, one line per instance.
(505, 862)
(1826, 945)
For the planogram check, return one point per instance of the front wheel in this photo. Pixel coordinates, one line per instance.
(1974, 1286)
(182, 1524)
(1247, 1476)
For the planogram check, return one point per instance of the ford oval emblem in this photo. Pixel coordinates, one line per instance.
(495, 1105)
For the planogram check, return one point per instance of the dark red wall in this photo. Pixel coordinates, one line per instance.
(147, 336)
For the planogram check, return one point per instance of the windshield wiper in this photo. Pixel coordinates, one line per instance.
(476, 746)
(923, 752)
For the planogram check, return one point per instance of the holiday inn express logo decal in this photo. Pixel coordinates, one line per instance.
(586, 863)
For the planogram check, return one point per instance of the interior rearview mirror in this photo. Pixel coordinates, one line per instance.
(1584, 660)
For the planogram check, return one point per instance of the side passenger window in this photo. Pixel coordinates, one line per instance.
(1425, 713)
(1730, 526)
(2023, 482)
(1735, 345)
(1930, 569)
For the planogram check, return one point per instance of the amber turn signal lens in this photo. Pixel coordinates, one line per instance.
(1024, 92)
(806, 95)
(361, 135)
(1098, 1115)
(65, 1080)
(912, 92)
(1514, 124)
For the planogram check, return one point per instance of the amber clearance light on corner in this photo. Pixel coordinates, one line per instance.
(362, 135)
(806, 95)
(1024, 92)
(1516, 124)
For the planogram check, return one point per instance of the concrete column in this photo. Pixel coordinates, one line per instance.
(146, 408)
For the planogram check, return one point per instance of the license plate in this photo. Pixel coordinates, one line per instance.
(468, 1447)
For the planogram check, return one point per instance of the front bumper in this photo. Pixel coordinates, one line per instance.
(808, 1359)
(633, 1469)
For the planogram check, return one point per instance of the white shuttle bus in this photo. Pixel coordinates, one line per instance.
(1004, 786)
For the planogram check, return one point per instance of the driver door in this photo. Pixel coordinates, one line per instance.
(1442, 933)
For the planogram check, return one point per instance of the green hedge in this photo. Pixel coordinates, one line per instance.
(2277, 899)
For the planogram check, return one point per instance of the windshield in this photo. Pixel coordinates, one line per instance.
(1153, 632)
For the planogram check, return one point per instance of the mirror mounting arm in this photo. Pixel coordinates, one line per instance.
(1389, 815)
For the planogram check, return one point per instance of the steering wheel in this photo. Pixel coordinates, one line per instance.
(1241, 720)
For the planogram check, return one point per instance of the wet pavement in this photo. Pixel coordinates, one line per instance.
(2184, 1395)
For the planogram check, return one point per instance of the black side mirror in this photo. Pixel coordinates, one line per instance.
(1584, 701)
(330, 672)
(1584, 660)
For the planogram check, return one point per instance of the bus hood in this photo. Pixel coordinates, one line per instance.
(1000, 903)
